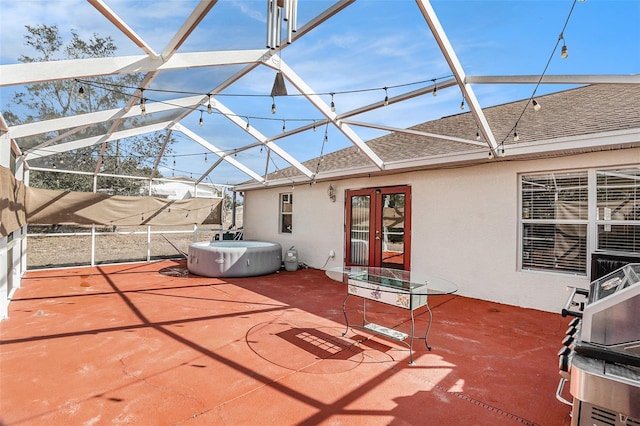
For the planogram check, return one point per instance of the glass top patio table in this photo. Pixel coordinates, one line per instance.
(404, 289)
(392, 280)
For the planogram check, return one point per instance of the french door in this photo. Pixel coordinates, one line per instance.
(378, 227)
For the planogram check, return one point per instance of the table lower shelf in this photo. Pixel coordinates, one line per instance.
(386, 331)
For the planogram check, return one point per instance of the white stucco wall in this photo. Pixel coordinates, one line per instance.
(464, 226)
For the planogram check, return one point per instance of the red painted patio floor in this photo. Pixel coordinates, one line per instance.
(149, 344)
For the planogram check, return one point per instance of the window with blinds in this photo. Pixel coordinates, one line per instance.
(618, 210)
(554, 220)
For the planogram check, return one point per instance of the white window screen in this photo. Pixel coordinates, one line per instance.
(554, 219)
(618, 210)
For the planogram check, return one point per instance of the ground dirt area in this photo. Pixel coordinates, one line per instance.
(124, 245)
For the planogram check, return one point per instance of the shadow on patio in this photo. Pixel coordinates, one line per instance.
(150, 344)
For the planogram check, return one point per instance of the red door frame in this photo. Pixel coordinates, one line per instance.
(375, 223)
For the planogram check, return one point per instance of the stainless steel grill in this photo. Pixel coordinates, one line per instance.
(600, 356)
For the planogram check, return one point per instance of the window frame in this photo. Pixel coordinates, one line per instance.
(580, 221)
(285, 198)
(607, 222)
(593, 221)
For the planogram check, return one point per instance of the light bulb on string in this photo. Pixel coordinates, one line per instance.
(284, 126)
(333, 105)
(564, 52)
(477, 135)
(209, 107)
(386, 97)
(435, 88)
(462, 104)
(516, 138)
(315, 129)
(273, 105)
(201, 122)
(248, 126)
(81, 92)
(205, 157)
(536, 105)
(143, 107)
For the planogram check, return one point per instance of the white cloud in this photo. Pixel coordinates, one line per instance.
(249, 11)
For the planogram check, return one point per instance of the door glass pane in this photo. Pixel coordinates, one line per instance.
(392, 244)
(359, 238)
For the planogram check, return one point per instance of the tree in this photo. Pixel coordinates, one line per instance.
(44, 101)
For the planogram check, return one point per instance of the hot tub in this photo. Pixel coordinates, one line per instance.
(243, 258)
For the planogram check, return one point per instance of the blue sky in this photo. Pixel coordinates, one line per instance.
(371, 44)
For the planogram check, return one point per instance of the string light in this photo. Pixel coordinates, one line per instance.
(564, 52)
(284, 126)
(315, 129)
(117, 88)
(143, 108)
(248, 126)
(536, 105)
(182, 92)
(435, 88)
(81, 92)
(321, 157)
(201, 122)
(386, 97)
(462, 104)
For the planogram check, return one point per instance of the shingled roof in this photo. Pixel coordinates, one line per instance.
(586, 110)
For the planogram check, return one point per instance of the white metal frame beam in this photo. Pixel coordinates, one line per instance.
(122, 26)
(83, 120)
(416, 133)
(37, 72)
(277, 64)
(363, 109)
(263, 139)
(454, 64)
(217, 151)
(82, 143)
(197, 15)
(554, 79)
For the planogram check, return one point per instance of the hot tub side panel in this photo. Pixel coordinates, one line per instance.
(211, 261)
